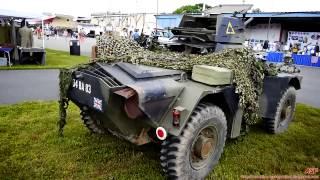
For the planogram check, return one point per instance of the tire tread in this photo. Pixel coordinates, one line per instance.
(172, 157)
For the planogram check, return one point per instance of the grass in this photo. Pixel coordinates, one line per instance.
(54, 60)
(31, 149)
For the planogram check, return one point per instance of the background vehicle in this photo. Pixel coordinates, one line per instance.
(89, 30)
(91, 34)
(163, 36)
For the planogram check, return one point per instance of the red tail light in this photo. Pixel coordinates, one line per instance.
(175, 118)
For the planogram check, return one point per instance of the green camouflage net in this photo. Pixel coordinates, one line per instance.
(65, 79)
(248, 72)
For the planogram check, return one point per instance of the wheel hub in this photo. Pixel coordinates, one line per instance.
(285, 113)
(288, 111)
(203, 147)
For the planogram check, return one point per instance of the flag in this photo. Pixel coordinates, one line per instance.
(97, 103)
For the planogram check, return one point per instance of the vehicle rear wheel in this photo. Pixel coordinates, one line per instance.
(194, 153)
(284, 114)
(92, 123)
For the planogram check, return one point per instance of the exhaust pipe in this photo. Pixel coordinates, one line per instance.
(131, 104)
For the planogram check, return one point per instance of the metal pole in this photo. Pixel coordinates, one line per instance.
(14, 39)
(268, 28)
(143, 22)
(203, 8)
(157, 17)
(42, 23)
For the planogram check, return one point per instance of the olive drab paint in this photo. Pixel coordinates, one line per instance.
(159, 90)
(132, 92)
(208, 33)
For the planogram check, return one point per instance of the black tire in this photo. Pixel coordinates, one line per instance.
(163, 156)
(92, 123)
(180, 158)
(284, 114)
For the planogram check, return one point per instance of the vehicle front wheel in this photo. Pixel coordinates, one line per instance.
(194, 153)
(284, 114)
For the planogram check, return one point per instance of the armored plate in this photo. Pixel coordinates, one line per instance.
(141, 71)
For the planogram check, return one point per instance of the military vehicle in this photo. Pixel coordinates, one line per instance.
(205, 34)
(191, 115)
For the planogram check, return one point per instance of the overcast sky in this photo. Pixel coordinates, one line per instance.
(86, 7)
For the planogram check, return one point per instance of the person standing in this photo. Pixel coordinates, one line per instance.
(65, 34)
(124, 33)
(55, 31)
(295, 49)
(315, 54)
(266, 45)
(316, 49)
(38, 32)
(48, 32)
(136, 35)
(81, 35)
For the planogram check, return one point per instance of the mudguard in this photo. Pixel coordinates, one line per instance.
(273, 89)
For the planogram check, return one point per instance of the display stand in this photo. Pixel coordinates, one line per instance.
(7, 51)
(299, 59)
(32, 55)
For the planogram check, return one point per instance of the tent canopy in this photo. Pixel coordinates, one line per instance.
(46, 20)
(18, 14)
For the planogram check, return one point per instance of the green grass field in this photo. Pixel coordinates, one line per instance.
(31, 149)
(54, 60)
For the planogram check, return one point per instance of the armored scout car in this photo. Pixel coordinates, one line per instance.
(191, 116)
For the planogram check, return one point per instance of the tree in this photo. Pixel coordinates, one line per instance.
(197, 8)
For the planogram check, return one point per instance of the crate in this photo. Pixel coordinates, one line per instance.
(3, 61)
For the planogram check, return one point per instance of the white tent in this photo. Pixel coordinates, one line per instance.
(9, 14)
(19, 14)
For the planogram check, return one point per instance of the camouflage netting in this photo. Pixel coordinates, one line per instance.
(288, 66)
(248, 72)
(65, 79)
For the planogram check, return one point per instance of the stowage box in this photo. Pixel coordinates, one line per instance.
(212, 75)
